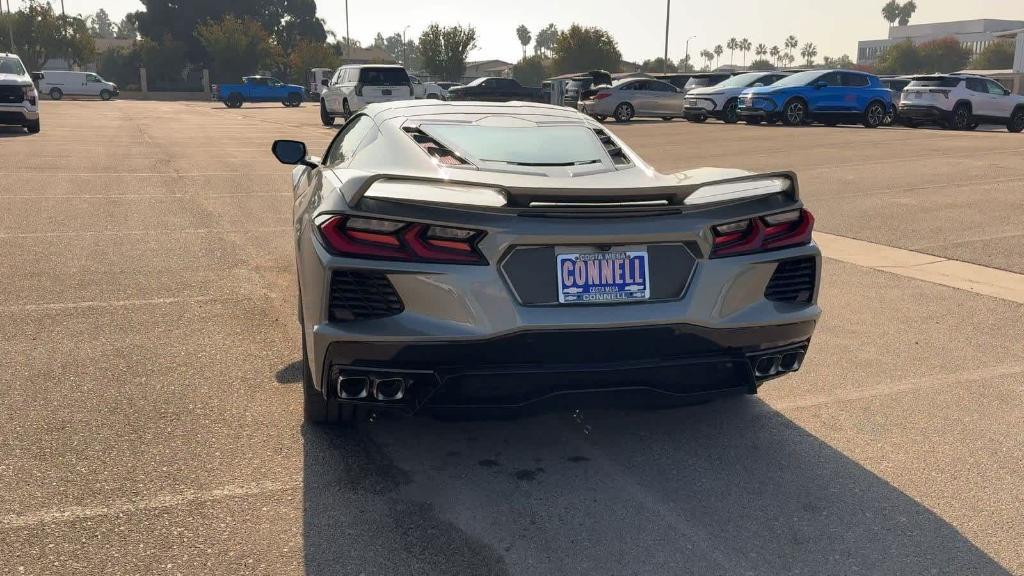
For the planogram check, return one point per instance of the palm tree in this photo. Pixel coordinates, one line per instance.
(718, 55)
(709, 56)
(906, 11)
(774, 52)
(761, 50)
(524, 37)
(732, 45)
(809, 51)
(791, 44)
(744, 48)
(891, 12)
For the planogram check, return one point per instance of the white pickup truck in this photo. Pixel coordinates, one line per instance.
(19, 99)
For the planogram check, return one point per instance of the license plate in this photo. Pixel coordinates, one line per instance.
(386, 92)
(613, 276)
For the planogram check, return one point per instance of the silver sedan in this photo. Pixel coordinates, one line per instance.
(635, 97)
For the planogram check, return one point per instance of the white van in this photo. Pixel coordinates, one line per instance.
(60, 83)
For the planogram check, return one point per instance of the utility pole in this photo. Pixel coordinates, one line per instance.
(348, 38)
(10, 23)
(404, 55)
(664, 62)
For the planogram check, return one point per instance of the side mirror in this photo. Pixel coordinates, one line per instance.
(819, 85)
(325, 82)
(1006, 92)
(291, 152)
(37, 76)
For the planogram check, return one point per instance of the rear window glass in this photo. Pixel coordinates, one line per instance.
(383, 76)
(531, 146)
(935, 82)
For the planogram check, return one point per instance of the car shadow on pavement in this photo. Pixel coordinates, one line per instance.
(733, 487)
(290, 374)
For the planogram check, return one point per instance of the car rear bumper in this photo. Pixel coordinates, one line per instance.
(541, 369)
(919, 112)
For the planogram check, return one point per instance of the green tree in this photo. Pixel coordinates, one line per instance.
(808, 52)
(407, 53)
(685, 64)
(891, 12)
(761, 64)
(523, 33)
(236, 47)
(100, 25)
(530, 71)
(41, 35)
(708, 56)
(944, 55)
(744, 47)
(761, 50)
(774, 52)
(718, 54)
(309, 55)
(657, 65)
(544, 44)
(443, 50)
(791, 44)
(121, 66)
(732, 45)
(164, 60)
(582, 48)
(996, 56)
(286, 21)
(901, 58)
(840, 62)
(907, 10)
(128, 28)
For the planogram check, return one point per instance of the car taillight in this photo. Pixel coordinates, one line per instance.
(602, 95)
(379, 239)
(780, 230)
(945, 93)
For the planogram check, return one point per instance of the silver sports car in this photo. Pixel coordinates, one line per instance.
(478, 256)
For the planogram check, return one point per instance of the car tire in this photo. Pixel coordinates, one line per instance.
(433, 96)
(624, 112)
(33, 126)
(294, 100)
(794, 113)
(874, 115)
(325, 117)
(962, 117)
(730, 113)
(316, 407)
(346, 111)
(234, 101)
(1016, 123)
(890, 117)
(105, 95)
(56, 94)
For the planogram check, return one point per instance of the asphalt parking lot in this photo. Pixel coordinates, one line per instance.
(150, 404)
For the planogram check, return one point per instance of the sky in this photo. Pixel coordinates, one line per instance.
(637, 25)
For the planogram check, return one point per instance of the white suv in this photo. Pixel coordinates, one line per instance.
(19, 100)
(353, 87)
(720, 101)
(960, 102)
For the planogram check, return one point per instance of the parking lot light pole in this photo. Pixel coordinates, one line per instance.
(664, 62)
(687, 61)
(348, 37)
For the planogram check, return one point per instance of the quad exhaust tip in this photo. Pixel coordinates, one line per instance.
(773, 364)
(360, 387)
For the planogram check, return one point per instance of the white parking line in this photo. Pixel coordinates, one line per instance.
(935, 269)
(72, 513)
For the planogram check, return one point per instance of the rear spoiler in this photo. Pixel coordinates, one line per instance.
(645, 199)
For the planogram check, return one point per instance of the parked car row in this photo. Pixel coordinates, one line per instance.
(829, 97)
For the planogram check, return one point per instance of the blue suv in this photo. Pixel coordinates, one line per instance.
(827, 96)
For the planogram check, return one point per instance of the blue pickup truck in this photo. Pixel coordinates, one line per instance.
(258, 89)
